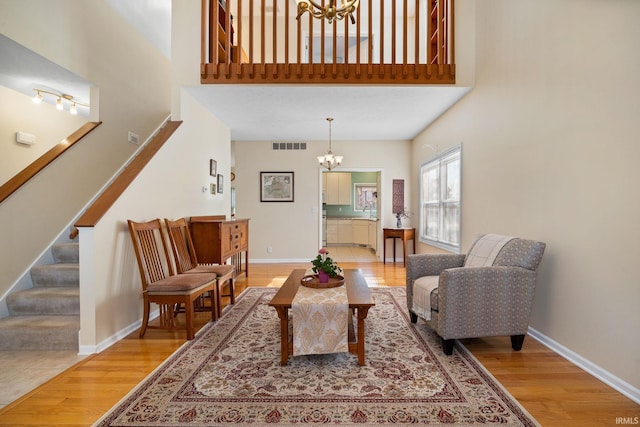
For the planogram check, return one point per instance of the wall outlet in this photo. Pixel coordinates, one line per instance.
(269, 249)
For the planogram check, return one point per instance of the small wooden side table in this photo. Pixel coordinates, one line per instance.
(398, 233)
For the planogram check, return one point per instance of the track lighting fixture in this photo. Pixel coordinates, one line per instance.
(60, 97)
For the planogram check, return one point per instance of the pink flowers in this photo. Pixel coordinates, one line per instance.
(323, 263)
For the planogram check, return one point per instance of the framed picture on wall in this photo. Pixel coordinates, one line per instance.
(220, 181)
(276, 186)
(213, 167)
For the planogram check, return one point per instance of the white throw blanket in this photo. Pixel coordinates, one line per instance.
(482, 254)
(320, 321)
(485, 251)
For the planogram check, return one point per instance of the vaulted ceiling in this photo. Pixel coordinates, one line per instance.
(253, 112)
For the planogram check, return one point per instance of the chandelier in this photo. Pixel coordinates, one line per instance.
(329, 160)
(330, 11)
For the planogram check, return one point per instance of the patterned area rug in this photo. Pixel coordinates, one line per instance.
(230, 374)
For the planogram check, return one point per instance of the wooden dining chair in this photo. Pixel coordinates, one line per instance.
(160, 284)
(187, 262)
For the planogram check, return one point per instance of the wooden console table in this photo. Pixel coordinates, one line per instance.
(398, 233)
(216, 240)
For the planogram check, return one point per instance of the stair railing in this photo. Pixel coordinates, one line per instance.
(22, 177)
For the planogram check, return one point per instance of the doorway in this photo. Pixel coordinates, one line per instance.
(350, 224)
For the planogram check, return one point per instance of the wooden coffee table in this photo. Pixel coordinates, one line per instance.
(360, 301)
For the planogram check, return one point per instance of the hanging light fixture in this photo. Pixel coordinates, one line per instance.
(329, 12)
(38, 98)
(60, 97)
(329, 160)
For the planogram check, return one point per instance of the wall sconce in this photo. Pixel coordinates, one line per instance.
(73, 103)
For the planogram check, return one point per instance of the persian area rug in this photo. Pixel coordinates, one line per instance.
(230, 375)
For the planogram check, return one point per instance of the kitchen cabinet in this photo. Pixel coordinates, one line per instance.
(345, 231)
(373, 235)
(337, 188)
(332, 231)
(352, 232)
(361, 232)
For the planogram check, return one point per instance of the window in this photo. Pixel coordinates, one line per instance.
(440, 181)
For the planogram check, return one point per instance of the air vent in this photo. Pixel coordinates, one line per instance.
(282, 146)
(133, 137)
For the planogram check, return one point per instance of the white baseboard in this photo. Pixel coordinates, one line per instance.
(279, 261)
(606, 377)
(104, 344)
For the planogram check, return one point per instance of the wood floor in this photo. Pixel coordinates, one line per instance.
(552, 389)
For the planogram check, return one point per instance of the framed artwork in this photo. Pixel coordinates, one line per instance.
(276, 186)
(365, 196)
(220, 180)
(213, 167)
(213, 188)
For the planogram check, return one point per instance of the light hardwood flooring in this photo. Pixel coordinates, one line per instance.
(553, 390)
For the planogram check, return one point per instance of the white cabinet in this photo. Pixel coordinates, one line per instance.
(361, 232)
(352, 231)
(373, 235)
(345, 231)
(332, 231)
(337, 188)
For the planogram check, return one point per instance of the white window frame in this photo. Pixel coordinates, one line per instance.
(443, 203)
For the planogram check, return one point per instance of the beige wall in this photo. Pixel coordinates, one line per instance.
(169, 187)
(133, 78)
(20, 114)
(550, 152)
(292, 229)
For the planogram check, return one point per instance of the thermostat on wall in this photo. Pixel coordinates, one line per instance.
(25, 138)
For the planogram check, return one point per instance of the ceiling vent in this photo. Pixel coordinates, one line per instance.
(281, 146)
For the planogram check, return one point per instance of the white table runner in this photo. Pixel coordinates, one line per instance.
(320, 321)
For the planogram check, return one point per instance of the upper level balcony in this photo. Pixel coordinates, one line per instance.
(388, 42)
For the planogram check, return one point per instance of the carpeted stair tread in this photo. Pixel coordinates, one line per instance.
(55, 275)
(45, 301)
(66, 253)
(39, 332)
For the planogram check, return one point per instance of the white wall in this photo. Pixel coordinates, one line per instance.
(550, 152)
(292, 229)
(98, 45)
(20, 114)
(168, 187)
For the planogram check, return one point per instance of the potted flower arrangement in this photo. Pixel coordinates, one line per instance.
(324, 266)
(404, 213)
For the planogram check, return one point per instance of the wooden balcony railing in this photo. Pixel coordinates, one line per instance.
(391, 42)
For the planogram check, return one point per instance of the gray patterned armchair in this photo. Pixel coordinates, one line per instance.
(488, 292)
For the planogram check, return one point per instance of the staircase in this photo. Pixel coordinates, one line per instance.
(47, 316)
